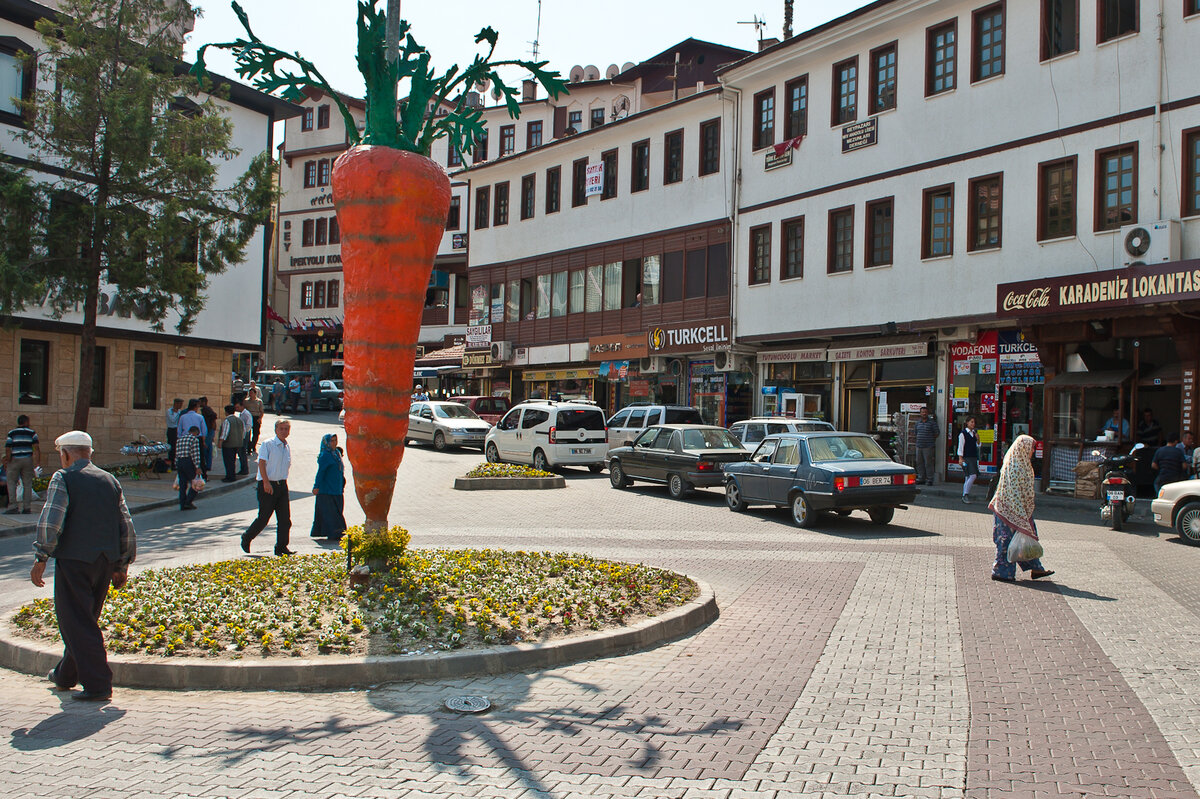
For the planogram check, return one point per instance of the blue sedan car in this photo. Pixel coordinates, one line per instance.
(821, 471)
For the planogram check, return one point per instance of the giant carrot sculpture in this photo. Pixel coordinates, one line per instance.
(391, 202)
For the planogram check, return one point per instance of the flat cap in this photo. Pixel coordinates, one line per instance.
(75, 438)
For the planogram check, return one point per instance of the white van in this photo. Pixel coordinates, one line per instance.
(547, 434)
(752, 431)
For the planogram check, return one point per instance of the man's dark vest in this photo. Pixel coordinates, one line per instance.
(92, 526)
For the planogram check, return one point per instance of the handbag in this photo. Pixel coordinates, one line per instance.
(197, 483)
(1023, 547)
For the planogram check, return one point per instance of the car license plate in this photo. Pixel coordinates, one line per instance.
(581, 450)
(875, 481)
(1113, 496)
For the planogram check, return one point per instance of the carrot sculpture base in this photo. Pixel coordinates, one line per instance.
(391, 208)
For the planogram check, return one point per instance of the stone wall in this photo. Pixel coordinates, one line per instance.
(202, 371)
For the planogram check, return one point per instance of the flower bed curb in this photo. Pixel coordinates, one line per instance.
(338, 672)
(509, 483)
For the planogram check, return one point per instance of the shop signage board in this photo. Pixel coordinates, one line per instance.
(708, 335)
(793, 356)
(875, 352)
(476, 360)
(479, 337)
(611, 348)
(860, 134)
(774, 161)
(1019, 361)
(1092, 291)
(562, 374)
(594, 183)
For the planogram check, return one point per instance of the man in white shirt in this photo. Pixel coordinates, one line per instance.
(274, 462)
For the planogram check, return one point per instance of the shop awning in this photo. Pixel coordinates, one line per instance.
(1089, 379)
(562, 374)
(878, 348)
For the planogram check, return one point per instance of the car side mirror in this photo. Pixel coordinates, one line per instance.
(426, 414)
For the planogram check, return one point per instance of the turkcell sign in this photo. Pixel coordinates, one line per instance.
(707, 336)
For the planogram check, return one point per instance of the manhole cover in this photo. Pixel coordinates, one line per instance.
(468, 704)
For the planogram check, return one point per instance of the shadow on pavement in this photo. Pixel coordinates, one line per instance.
(74, 722)
(1065, 590)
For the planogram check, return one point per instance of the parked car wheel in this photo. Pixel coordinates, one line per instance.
(733, 497)
(677, 487)
(617, 476)
(596, 468)
(881, 516)
(1187, 522)
(439, 441)
(802, 512)
(539, 461)
(492, 454)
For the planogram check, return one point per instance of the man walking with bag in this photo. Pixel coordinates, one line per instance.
(85, 527)
(231, 434)
(187, 466)
(926, 434)
(274, 463)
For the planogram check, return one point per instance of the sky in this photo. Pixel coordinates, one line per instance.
(572, 32)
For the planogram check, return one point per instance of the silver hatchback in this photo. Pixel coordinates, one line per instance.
(446, 424)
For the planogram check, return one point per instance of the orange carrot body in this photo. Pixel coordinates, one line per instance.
(391, 209)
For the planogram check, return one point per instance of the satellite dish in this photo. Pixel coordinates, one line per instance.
(628, 65)
(620, 107)
(590, 72)
(483, 85)
(576, 74)
(497, 94)
(611, 72)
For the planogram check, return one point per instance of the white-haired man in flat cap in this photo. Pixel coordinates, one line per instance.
(85, 526)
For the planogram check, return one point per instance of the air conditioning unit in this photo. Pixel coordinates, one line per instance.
(655, 364)
(502, 350)
(1153, 243)
(727, 361)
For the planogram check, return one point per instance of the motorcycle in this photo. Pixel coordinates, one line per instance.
(1118, 488)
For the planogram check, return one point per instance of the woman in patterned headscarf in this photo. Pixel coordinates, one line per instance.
(1012, 508)
(329, 486)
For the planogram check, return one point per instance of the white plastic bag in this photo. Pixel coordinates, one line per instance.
(175, 485)
(198, 483)
(1023, 547)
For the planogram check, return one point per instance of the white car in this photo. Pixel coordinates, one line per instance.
(547, 434)
(446, 424)
(751, 432)
(1178, 506)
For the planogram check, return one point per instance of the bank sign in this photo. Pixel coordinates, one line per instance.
(1114, 288)
(709, 335)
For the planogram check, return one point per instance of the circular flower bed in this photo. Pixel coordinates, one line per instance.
(506, 470)
(431, 600)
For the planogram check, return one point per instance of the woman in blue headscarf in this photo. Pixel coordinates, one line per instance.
(328, 521)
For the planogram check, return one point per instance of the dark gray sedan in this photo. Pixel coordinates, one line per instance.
(684, 456)
(821, 471)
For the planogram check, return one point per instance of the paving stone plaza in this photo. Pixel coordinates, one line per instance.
(848, 660)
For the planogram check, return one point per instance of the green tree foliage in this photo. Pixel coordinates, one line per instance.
(130, 192)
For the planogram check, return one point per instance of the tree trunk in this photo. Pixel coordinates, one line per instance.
(87, 344)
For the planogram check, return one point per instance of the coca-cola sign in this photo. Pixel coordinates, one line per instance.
(1114, 288)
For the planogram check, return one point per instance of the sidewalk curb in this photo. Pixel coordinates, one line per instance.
(1141, 509)
(210, 490)
(333, 673)
(508, 483)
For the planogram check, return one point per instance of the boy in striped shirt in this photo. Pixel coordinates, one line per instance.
(21, 454)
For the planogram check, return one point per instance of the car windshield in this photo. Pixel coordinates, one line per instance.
(454, 411)
(683, 416)
(845, 448)
(709, 439)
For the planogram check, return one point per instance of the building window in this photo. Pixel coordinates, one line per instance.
(306, 235)
(579, 183)
(764, 119)
(322, 234)
(1117, 18)
(553, 189)
(512, 305)
(333, 293)
(673, 157)
(508, 139)
(1056, 199)
(453, 218)
(306, 295)
(33, 382)
(841, 240)
(1191, 7)
(453, 156)
(879, 232)
(479, 153)
(145, 380)
(558, 294)
(612, 286)
(576, 292)
(99, 378)
(710, 147)
(597, 118)
(639, 179)
(500, 215)
(574, 121)
(987, 35)
(1060, 27)
(795, 97)
(941, 57)
(533, 134)
(938, 227)
(306, 119)
(1116, 187)
(883, 78)
(760, 254)
(322, 116)
(335, 235)
(319, 294)
(483, 206)
(594, 299)
(527, 196)
(791, 255)
(15, 80)
(983, 212)
(310, 174)
(609, 159)
(845, 92)
(1191, 172)
(323, 172)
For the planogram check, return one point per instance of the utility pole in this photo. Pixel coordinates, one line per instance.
(392, 32)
